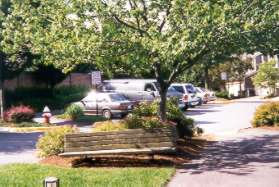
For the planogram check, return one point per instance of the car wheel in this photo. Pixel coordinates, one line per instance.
(185, 108)
(107, 114)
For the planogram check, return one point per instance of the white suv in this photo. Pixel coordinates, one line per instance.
(189, 94)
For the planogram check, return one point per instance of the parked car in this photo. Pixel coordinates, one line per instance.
(212, 96)
(189, 94)
(202, 94)
(134, 89)
(106, 104)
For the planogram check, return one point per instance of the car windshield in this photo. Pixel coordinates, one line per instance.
(203, 89)
(117, 97)
(179, 89)
(198, 90)
(171, 89)
(190, 89)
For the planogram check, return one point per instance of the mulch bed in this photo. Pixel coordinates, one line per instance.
(186, 150)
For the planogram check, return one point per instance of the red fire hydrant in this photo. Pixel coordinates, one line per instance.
(47, 115)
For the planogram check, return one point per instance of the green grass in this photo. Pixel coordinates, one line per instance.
(32, 175)
(83, 119)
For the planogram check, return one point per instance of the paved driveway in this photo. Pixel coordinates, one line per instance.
(18, 147)
(240, 158)
(227, 118)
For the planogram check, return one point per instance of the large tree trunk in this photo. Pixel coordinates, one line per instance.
(1, 99)
(1, 88)
(206, 81)
(162, 107)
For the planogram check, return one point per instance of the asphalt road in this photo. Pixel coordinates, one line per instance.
(18, 147)
(248, 157)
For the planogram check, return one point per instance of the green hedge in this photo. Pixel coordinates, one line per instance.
(267, 115)
(37, 98)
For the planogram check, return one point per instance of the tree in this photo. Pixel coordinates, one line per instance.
(48, 74)
(267, 76)
(162, 36)
(11, 64)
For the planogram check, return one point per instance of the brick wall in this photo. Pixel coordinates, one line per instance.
(26, 80)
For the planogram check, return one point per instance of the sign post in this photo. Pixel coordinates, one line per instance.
(96, 78)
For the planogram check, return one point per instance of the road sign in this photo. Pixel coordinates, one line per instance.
(96, 77)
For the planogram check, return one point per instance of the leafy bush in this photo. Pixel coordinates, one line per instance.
(19, 114)
(223, 94)
(74, 111)
(145, 116)
(267, 114)
(37, 98)
(108, 126)
(146, 109)
(135, 122)
(184, 126)
(52, 143)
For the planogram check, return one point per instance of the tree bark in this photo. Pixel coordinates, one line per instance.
(206, 78)
(162, 108)
(163, 91)
(1, 87)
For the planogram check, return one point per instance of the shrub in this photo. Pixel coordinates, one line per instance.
(146, 109)
(108, 126)
(136, 122)
(267, 114)
(19, 114)
(74, 111)
(52, 143)
(37, 98)
(223, 94)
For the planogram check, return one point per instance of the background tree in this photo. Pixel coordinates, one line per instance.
(48, 75)
(11, 64)
(162, 36)
(267, 76)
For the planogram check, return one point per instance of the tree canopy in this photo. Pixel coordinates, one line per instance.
(267, 76)
(165, 37)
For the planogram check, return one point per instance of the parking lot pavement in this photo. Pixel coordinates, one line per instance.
(18, 147)
(247, 157)
(221, 119)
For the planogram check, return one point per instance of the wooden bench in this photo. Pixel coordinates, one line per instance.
(134, 141)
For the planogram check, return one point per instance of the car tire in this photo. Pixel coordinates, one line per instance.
(185, 108)
(107, 114)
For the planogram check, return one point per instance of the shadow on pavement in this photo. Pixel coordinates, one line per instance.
(18, 142)
(237, 157)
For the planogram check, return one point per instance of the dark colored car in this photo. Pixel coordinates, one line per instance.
(106, 104)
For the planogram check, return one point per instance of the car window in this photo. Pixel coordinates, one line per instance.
(102, 98)
(179, 89)
(190, 89)
(117, 97)
(90, 97)
(171, 89)
(198, 90)
(149, 87)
